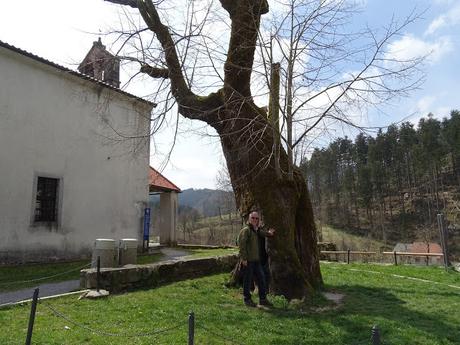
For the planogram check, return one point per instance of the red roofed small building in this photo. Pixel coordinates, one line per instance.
(168, 206)
(424, 247)
(420, 247)
(159, 183)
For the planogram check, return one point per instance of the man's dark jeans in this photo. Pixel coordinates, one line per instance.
(254, 270)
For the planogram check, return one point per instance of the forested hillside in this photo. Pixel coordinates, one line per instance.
(391, 186)
(208, 202)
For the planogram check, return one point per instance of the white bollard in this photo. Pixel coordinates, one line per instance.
(127, 251)
(106, 249)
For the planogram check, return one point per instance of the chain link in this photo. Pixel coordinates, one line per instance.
(44, 278)
(109, 334)
(218, 335)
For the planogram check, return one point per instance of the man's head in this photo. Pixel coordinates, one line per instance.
(254, 219)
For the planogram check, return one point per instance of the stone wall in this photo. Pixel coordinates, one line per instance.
(151, 275)
(325, 246)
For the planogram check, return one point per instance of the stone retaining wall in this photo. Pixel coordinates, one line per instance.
(150, 275)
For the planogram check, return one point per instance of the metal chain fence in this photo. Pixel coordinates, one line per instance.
(44, 278)
(375, 338)
(109, 334)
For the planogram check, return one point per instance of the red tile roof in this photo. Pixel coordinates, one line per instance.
(422, 247)
(159, 183)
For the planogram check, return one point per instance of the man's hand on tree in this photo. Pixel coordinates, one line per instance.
(271, 232)
(244, 262)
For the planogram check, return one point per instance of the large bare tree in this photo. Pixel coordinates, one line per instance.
(260, 178)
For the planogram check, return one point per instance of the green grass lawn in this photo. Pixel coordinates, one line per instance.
(407, 311)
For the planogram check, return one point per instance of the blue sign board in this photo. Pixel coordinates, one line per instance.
(146, 223)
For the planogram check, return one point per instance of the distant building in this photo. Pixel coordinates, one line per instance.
(423, 247)
(419, 247)
(74, 156)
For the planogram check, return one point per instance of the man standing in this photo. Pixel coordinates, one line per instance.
(248, 243)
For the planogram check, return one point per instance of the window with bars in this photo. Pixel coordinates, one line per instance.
(46, 202)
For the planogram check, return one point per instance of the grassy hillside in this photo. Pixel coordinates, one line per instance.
(208, 202)
(217, 230)
(344, 240)
(224, 231)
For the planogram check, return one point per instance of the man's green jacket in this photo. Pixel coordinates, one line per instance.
(248, 242)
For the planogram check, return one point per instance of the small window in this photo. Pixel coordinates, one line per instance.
(46, 203)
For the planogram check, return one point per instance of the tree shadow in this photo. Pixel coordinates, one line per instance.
(364, 307)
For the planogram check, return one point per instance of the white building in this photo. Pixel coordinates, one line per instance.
(74, 157)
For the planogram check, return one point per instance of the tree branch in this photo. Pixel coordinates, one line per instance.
(130, 3)
(155, 72)
(245, 16)
(190, 105)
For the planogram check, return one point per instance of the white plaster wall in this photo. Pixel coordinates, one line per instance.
(168, 217)
(55, 124)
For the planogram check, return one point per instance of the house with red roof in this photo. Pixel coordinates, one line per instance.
(419, 247)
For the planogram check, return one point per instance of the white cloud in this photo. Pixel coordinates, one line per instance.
(451, 18)
(425, 105)
(430, 104)
(410, 47)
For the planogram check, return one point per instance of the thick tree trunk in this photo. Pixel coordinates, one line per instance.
(283, 202)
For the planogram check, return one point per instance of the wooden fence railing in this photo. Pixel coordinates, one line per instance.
(349, 253)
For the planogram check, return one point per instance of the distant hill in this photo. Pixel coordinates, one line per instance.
(206, 201)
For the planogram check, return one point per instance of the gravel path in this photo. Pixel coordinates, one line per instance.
(173, 254)
(52, 289)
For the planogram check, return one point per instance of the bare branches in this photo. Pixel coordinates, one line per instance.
(205, 108)
(152, 19)
(331, 75)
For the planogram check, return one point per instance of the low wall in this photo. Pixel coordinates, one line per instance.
(325, 246)
(150, 275)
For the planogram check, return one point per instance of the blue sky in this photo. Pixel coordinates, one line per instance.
(438, 32)
(63, 31)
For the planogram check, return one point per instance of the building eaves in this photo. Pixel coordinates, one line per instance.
(158, 182)
(78, 74)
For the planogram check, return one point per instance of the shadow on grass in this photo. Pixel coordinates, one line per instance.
(364, 307)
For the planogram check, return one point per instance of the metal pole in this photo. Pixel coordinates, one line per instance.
(396, 258)
(348, 256)
(375, 335)
(443, 235)
(33, 309)
(191, 328)
(98, 273)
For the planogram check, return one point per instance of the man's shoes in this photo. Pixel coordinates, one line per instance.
(249, 303)
(265, 303)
